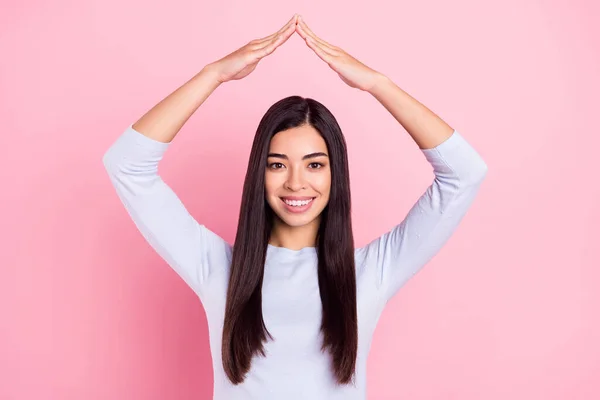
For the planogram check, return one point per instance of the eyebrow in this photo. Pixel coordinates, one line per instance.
(306, 157)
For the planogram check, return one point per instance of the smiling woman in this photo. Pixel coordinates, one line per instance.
(294, 134)
(297, 182)
(292, 305)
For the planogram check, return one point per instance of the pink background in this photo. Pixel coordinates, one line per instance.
(507, 310)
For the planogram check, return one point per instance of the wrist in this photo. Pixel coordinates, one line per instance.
(211, 74)
(379, 81)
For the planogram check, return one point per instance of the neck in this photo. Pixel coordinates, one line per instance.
(294, 237)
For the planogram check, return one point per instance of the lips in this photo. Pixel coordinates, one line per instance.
(297, 197)
(297, 209)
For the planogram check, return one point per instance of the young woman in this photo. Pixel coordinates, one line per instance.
(292, 305)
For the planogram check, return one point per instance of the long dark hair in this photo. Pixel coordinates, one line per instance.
(244, 329)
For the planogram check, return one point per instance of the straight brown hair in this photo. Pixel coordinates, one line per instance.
(244, 330)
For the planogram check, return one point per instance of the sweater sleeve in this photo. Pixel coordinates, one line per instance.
(191, 249)
(400, 253)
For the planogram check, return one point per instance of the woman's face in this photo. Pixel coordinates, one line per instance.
(298, 175)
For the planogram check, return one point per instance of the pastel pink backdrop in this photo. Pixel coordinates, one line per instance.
(507, 310)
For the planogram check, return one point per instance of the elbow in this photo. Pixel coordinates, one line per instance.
(108, 161)
(472, 174)
(478, 173)
(482, 170)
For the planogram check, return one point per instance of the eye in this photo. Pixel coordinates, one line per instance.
(276, 165)
(316, 165)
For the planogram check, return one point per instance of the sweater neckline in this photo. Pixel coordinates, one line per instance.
(284, 251)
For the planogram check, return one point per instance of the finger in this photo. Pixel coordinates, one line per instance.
(302, 24)
(325, 48)
(286, 26)
(313, 44)
(277, 40)
(270, 46)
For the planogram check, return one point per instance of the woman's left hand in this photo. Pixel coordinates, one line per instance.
(351, 71)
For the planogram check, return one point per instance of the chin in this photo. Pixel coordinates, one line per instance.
(296, 221)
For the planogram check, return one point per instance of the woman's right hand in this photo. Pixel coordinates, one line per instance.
(244, 60)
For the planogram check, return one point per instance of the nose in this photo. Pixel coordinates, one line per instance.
(295, 180)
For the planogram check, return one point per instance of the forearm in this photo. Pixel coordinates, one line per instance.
(165, 119)
(425, 127)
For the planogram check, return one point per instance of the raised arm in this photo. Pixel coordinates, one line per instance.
(191, 249)
(459, 170)
(399, 254)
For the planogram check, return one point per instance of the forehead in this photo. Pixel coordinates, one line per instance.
(298, 141)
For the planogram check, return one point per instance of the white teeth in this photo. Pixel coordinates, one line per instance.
(297, 203)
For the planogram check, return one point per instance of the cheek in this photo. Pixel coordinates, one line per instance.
(272, 184)
(322, 183)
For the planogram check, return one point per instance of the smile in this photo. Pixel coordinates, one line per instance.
(297, 206)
